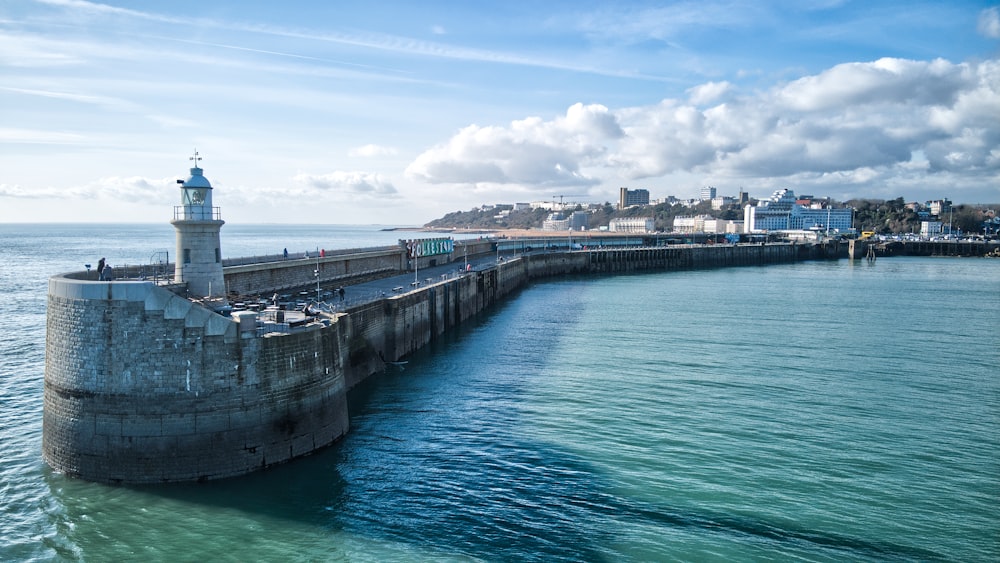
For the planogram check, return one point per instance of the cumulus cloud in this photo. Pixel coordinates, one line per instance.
(892, 81)
(347, 185)
(528, 152)
(849, 117)
(855, 122)
(989, 23)
(708, 93)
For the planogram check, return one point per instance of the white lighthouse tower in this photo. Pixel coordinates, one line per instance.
(199, 252)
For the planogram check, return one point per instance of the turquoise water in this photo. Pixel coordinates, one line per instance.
(821, 411)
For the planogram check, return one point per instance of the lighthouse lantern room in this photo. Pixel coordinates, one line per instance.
(199, 252)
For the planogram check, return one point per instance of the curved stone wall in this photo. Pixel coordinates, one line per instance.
(144, 386)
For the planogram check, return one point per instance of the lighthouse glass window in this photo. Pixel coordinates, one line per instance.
(194, 197)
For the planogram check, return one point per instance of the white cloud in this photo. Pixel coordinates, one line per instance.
(859, 122)
(850, 117)
(892, 81)
(17, 191)
(531, 152)
(134, 189)
(989, 23)
(347, 185)
(708, 93)
(160, 191)
(371, 150)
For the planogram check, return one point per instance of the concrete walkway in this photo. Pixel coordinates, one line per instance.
(366, 292)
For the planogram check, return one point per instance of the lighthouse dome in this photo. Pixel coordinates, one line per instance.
(197, 180)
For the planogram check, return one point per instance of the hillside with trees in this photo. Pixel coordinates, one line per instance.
(881, 216)
(488, 218)
(894, 217)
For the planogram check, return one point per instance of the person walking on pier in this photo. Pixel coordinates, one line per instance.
(100, 269)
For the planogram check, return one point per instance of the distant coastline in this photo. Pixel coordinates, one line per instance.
(499, 232)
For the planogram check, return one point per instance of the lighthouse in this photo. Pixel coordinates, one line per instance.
(199, 252)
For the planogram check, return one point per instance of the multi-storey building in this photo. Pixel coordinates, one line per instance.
(721, 201)
(771, 214)
(690, 223)
(930, 228)
(782, 213)
(558, 221)
(628, 198)
(555, 222)
(939, 206)
(705, 224)
(578, 220)
(825, 218)
(632, 225)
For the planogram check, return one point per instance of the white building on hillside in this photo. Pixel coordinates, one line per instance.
(931, 228)
(691, 223)
(555, 222)
(770, 214)
(782, 213)
(722, 201)
(705, 224)
(723, 226)
(632, 225)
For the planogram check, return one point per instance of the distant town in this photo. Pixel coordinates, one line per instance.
(795, 216)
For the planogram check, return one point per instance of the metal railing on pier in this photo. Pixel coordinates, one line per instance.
(307, 255)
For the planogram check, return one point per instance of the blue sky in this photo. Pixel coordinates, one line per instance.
(399, 112)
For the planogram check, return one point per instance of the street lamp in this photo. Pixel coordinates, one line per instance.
(316, 273)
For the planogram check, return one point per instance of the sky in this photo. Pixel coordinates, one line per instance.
(398, 112)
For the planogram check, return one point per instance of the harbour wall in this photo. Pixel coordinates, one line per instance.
(142, 385)
(145, 386)
(863, 248)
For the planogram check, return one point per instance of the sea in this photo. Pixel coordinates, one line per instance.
(816, 411)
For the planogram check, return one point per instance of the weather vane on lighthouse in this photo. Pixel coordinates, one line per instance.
(195, 158)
